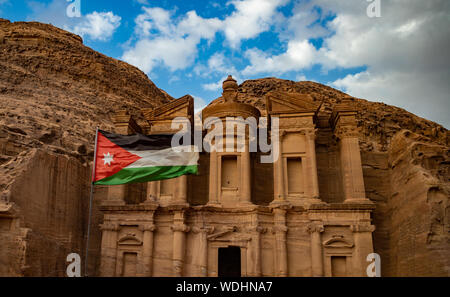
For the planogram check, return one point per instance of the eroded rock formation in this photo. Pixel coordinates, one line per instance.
(405, 162)
(54, 91)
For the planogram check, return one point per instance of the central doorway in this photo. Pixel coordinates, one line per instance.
(230, 261)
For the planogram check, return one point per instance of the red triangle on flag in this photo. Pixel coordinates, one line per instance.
(111, 158)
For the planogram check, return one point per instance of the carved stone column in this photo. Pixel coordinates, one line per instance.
(345, 128)
(245, 192)
(280, 230)
(315, 229)
(108, 248)
(179, 240)
(180, 190)
(278, 175)
(203, 249)
(147, 247)
(152, 192)
(362, 237)
(213, 174)
(255, 268)
(125, 125)
(312, 163)
(353, 182)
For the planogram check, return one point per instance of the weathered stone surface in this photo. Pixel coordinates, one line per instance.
(270, 215)
(418, 207)
(379, 126)
(54, 91)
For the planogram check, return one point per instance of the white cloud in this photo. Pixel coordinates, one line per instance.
(1, 3)
(217, 86)
(173, 79)
(250, 18)
(98, 25)
(156, 19)
(408, 64)
(143, 2)
(299, 55)
(199, 104)
(95, 25)
(404, 51)
(175, 53)
(167, 42)
(300, 77)
(218, 65)
(164, 39)
(426, 95)
(214, 86)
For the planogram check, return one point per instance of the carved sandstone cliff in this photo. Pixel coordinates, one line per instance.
(54, 91)
(406, 171)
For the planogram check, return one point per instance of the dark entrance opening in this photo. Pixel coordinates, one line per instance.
(230, 261)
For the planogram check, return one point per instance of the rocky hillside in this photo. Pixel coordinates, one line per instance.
(54, 91)
(378, 121)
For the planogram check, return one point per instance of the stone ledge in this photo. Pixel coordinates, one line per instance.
(343, 206)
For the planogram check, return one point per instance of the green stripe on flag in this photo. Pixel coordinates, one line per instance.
(146, 174)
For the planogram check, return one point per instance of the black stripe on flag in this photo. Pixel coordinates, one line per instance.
(140, 142)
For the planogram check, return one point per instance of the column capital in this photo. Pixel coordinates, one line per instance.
(280, 207)
(346, 131)
(343, 119)
(279, 229)
(206, 230)
(109, 226)
(362, 228)
(147, 227)
(315, 227)
(256, 229)
(180, 228)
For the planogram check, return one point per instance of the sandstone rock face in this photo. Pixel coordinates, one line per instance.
(418, 206)
(405, 167)
(54, 91)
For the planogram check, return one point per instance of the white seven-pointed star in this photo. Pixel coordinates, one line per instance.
(108, 158)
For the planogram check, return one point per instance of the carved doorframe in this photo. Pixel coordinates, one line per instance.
(213, 253)
(338, 246)
(129, 244)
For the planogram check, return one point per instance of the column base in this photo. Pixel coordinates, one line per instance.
(358, 201)
(305, 201)
(214, 204)
(150, 203)
(278, 203)
(113, 203)
(245, 203)
(178, 205)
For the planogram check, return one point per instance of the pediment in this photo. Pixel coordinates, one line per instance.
(129, 239)
(222, 233)
(337, 241)
(280, 102)
(182, 107)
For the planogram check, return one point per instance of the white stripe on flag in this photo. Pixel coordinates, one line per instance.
(165, 157)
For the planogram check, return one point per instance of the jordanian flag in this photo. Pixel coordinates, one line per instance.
(124, 159)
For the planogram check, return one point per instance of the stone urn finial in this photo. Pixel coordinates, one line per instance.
(229, 87)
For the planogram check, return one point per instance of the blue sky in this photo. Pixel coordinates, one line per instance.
(189, 47)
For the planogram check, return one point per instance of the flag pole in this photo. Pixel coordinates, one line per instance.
(90, 206)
